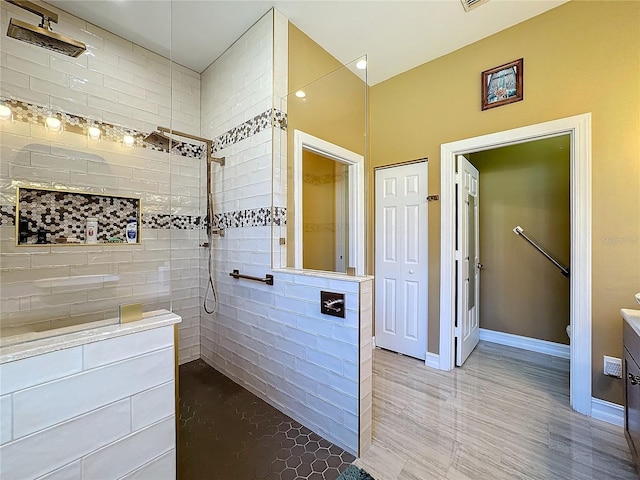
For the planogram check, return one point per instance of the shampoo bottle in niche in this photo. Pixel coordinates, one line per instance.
(91, 232)
(132, 231)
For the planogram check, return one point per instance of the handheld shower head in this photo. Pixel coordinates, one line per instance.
(43, 36)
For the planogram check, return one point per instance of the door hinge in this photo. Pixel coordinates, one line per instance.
(433, 198)
(456, 332)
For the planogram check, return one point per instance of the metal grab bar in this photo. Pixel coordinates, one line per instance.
(519, 231)
(268, 279)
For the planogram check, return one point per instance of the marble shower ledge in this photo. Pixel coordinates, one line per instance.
(321, 274)
(32, 344)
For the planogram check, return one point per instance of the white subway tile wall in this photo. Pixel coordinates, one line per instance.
(120, 83)
(91, 423)
(271, 339)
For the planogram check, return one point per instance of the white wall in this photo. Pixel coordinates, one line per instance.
(271, 339)
(100, 410)
(123, 84)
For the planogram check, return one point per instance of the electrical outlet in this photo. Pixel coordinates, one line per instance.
(612, 366)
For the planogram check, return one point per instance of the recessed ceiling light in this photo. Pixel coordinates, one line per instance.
(362, 64)
(300, 94)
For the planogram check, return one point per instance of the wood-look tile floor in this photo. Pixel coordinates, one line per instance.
(504, 415)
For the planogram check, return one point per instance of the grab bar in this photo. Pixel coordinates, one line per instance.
(268, 279)
(519, 231)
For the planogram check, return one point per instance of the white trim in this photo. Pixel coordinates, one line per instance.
(607, 412)
(526, 343)
(341, 219)
(579, 128)
(373, 342)
(302, 140)
(432, 360)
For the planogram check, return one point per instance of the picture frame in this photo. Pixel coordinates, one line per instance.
(503, 85)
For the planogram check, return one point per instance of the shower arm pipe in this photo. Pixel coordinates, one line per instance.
(520, 231)
(36, 9)
(210, 159)
(199, 139)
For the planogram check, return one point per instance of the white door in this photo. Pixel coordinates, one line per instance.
(401, 259)
(467, 318)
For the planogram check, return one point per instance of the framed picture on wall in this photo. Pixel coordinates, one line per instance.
(502, 85)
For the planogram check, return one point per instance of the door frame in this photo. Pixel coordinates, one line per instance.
(355, 163)
(579, 129)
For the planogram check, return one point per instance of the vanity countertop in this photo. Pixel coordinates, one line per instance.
(33, 346)
(632, 317)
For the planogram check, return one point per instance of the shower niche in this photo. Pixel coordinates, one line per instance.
(60, 217)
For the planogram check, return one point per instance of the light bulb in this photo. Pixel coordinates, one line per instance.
(300, 94)
(128, 140)
(362, 64)
(5, 112)
(53, 124)
(94, 133)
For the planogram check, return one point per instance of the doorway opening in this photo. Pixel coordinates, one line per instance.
(345, 196)
(579, 130)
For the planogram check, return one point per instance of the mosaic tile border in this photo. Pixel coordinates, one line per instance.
(36, 115)
(319, 227)
(322, 179)
(270, 118)
(256, 217)
(7, 215)
(164, 221)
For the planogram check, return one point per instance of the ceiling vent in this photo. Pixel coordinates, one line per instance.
(471, 4)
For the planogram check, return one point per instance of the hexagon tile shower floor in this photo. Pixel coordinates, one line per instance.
(227, 433)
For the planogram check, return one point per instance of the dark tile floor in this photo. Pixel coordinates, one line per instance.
(227, 433)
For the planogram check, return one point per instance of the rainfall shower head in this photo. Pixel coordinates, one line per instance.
(158, 140)
(42, 35)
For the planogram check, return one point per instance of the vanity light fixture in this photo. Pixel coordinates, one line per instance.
(5, 112)
(94, 132)
(361, 64)
(128, 140)
(300, 94)
(53, 123)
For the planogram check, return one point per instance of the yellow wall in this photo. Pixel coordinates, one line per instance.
(335, 106)
(333, 110)
(521, 292)
(583, 56)
(319, 207)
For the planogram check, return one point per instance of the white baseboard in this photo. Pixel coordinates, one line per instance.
(432, 360)
(525, 343)
(607, 411)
